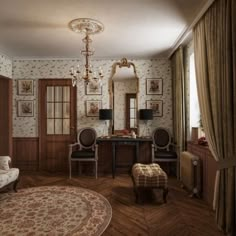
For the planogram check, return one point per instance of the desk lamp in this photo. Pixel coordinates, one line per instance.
(105, 114)
(146, 115)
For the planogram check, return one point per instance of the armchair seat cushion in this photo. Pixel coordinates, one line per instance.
(165, 154)
(8, 176)
(83, 154)
(4, 162)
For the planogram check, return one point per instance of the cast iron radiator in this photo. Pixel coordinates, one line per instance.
(190, 173)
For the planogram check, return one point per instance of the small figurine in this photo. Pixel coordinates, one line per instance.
(133, 134)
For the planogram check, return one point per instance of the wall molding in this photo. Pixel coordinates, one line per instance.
(26, 153)
(188, 30)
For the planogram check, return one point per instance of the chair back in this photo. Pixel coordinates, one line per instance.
(4, 162)
(161, 138)
(87, 138)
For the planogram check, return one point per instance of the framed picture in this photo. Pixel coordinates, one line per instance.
(92, 107)
(93, 89)
(25, 108)
(25, 87)
(156, 106)
(154, 86)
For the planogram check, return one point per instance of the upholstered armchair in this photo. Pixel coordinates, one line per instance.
(85, 149)
(8, 176)
(163, 150)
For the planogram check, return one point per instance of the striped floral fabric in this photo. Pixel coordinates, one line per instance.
(149, 175)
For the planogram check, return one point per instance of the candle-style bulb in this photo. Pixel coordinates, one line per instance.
(72, 70)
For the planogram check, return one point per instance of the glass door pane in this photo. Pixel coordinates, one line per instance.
(58, 110)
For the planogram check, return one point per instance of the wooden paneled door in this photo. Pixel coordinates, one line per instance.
(57, 123)
(6, 117)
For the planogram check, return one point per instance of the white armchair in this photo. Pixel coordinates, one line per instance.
(8, 176)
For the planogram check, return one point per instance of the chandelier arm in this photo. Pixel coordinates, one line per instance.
(86, 57)
(86, 26)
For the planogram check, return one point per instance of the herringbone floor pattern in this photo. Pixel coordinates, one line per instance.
(181, 216)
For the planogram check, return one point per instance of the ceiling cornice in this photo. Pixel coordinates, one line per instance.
(79, 59)
(180, 40)
(2, 53)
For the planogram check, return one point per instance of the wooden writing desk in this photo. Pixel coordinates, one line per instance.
(116, 141)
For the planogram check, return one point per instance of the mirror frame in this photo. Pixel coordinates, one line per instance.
(123, 63)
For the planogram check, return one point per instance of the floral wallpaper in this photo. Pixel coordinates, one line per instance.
(45, 69)
(5, 66)
(155, 68)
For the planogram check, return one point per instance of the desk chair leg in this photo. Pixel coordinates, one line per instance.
(96, 169)
(79, 168)
(70, 168)
(165, 192)
(168, 167)
(178, 170)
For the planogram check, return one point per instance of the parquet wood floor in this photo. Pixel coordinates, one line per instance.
(180, 216)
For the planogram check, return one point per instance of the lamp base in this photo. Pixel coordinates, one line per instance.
(146, 130)
(104, 132)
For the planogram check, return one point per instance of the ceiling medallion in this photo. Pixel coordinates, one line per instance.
(86, 25)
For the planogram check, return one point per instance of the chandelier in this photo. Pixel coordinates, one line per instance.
(88, 27)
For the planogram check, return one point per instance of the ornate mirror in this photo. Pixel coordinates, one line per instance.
(124, 87)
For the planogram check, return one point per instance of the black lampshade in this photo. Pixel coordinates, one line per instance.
(105, 114)
(145, 114)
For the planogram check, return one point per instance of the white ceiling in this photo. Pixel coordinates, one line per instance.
(133, 28)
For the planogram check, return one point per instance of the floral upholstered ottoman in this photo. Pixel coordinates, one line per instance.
(149, 176)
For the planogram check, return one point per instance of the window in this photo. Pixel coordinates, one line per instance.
(131, 110)
(194, 104)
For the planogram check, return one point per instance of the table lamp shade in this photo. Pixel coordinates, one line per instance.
(105, 114)
(145, 114)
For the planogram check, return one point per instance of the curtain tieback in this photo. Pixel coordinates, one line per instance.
(225, 164)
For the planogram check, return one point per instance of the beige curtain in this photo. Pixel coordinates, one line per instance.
(215, 61)
(179, 101)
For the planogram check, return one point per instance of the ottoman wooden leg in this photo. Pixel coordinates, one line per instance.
(165, 192)
(140, 191)
(135, 190)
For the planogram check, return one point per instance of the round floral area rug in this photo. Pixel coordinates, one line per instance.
(54, 210)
